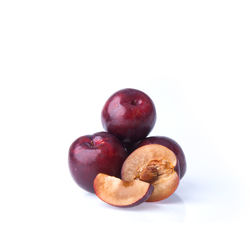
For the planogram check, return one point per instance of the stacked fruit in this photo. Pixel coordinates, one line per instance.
(122, 166)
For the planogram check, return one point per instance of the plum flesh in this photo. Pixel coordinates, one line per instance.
(120, 193)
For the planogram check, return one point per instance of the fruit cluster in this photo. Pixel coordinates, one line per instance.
(122, 166)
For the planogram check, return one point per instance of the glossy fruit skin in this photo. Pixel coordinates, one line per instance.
(93, 154)
(172, 145)
(129, 114)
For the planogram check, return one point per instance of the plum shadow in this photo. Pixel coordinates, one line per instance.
(173, 199)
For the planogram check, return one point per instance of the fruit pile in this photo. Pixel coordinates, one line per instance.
(122, 166)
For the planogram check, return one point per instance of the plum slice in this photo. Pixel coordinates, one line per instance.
(119, 193)
(154, 164)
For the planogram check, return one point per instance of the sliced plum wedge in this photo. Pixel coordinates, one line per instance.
(119, 193)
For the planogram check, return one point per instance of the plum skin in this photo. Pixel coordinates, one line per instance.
(93, 154)
(172, 145)
(129, 114)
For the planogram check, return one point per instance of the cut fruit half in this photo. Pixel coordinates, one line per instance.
(119, 193)
(154, 164)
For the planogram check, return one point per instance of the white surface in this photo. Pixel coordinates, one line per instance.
(60, 61)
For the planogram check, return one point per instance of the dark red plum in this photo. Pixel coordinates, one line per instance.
(93, 154)
(172, 145)
(129, 114)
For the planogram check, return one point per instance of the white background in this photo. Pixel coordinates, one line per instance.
(61, 60)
